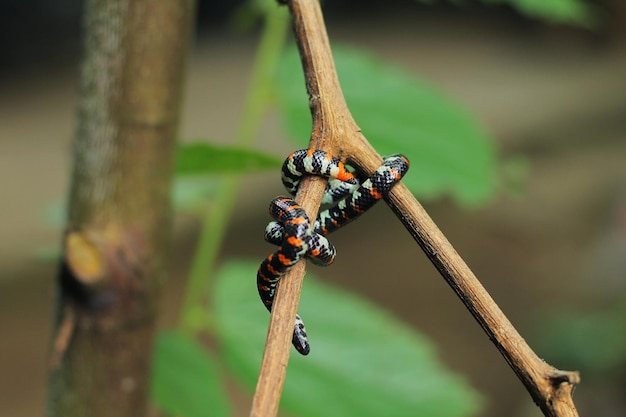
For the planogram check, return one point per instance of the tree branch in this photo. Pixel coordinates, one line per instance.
(334, 130)
(549, 387)
(331, 122)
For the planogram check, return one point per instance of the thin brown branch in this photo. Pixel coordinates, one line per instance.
(549, 387)
(331, 123)
(334, 130)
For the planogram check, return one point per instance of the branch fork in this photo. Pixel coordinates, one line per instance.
(334, 130)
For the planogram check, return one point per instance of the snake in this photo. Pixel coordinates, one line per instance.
(291, 230)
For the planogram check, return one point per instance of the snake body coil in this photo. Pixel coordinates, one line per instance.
(292, 230)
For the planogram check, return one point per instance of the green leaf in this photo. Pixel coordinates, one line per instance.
(363, 361)
(186, 380)
(576, 12)
(449, 152)
(205, 158)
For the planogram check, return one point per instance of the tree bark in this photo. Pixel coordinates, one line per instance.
(114, 250)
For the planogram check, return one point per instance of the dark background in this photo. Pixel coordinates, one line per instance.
(552, 97)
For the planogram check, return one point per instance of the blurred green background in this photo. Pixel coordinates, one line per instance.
(550, 247)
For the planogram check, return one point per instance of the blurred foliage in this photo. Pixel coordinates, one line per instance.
(582, 13)
(186, 380)
(191, 193)
(399, 113)
(592, 341)
(206, 158)
(574, 12)
(199, 165)
(364, 362)
(571, 12)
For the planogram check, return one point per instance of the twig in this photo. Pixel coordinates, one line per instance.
(331, 121)
(549, 387)
(335, 130)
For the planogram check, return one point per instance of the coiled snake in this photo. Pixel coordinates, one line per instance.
(292, 232)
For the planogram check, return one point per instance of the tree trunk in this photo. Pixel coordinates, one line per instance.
(115, 247)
